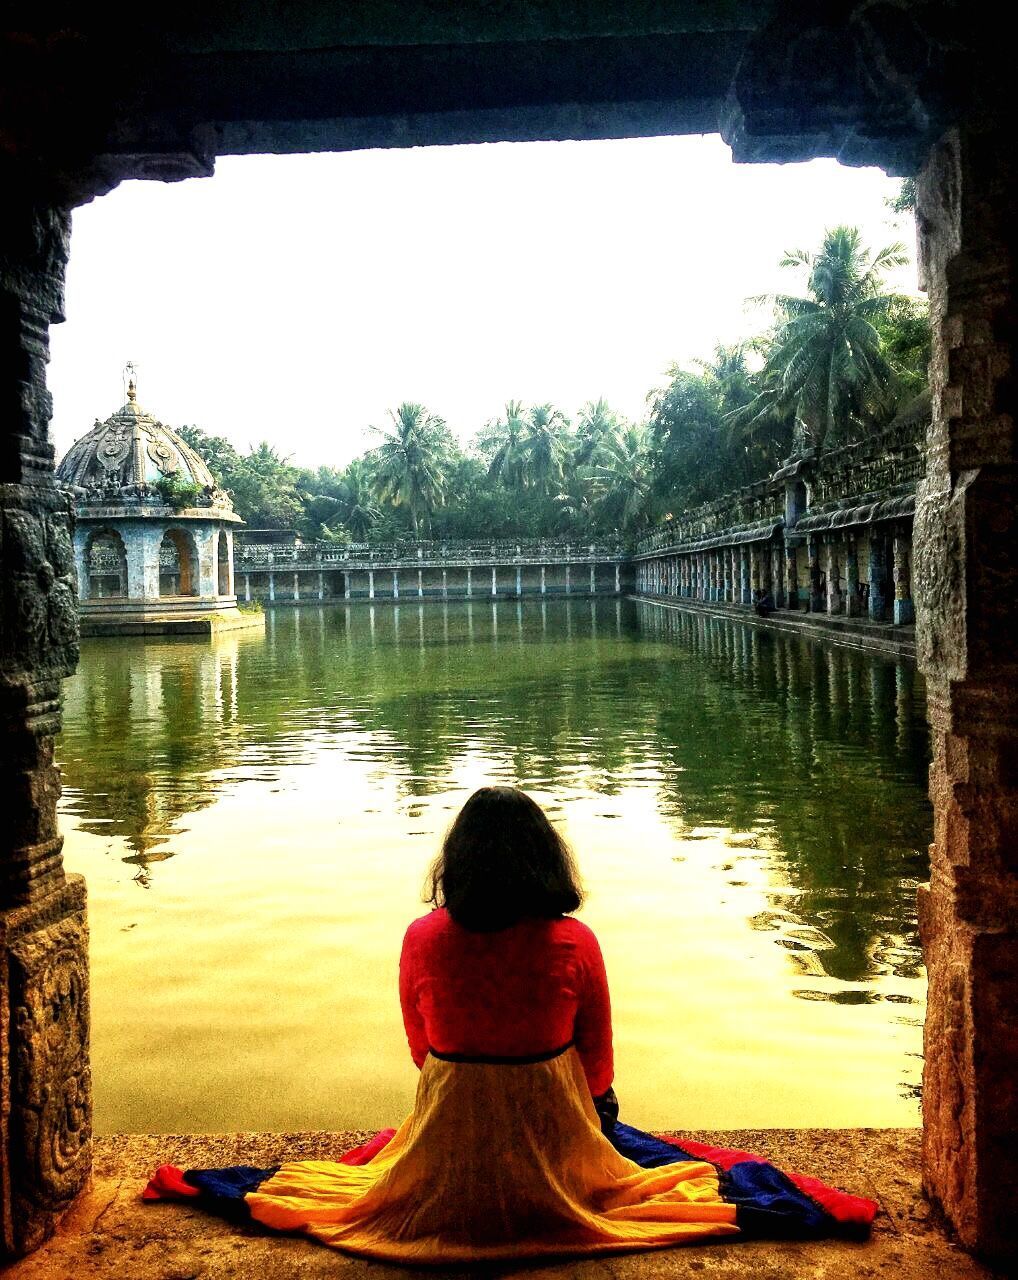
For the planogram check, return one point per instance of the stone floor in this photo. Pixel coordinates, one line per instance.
(112, 1233)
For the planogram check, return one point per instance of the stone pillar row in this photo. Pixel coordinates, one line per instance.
(733, 574)
(650, 577)
(736, 574)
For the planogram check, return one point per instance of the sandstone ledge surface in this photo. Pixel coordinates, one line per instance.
(111, 1233)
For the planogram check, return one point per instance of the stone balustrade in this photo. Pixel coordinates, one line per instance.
(411, 555)
(295, 572)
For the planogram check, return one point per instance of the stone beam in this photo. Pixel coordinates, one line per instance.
(91, 102)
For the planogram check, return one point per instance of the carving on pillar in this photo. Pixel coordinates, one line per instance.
(45, 1088)
(40, 631)
(965, 575)
(50, 1095)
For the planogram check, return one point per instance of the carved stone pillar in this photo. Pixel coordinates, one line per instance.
(966, 580)
(777, 578)
(45, 1088)
(754, 571)
(745, 592)
(142, 546)
(817, 603)
(904, 610)
(877, 570)
(833, 571)
(207, 543)
(791, 575)
(853, 604)
(231, 567)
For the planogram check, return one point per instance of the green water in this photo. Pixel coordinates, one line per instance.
(255, 817)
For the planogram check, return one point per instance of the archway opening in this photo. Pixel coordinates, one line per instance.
(285, 568)
(178, 575)
(106, 566)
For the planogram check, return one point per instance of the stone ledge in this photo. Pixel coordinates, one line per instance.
(110, 1232)
(854, 633)
(207, 624)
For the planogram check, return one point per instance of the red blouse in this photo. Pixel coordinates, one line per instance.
(523, 990)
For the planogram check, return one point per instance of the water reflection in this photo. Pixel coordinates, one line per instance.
(779, 783)
(819, 752)
(149, 727)
(824, 754)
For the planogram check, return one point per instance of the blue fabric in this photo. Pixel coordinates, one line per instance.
(223, 1190)
(766, 1202)
(643, 1148)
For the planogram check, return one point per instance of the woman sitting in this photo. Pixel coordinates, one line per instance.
(512, 1149)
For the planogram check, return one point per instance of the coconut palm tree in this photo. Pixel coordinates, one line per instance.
(410, 465)
(595, 421)
(360, 510)
(502, 442)
(621, 477)
(545, 443)
(729, 372)
(825, 361)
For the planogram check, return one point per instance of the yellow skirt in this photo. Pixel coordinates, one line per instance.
(496, 1161)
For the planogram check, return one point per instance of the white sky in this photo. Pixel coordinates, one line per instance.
(295, 299)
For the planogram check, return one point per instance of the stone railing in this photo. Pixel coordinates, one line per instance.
(870, 469)
(888, 466)
(757, 504)
(325, 555)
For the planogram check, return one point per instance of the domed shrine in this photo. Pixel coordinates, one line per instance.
(153, 538)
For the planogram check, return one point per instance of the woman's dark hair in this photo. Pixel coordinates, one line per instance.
(502, 861)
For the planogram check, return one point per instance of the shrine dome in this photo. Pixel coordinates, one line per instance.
(153, 531)
(130, 453)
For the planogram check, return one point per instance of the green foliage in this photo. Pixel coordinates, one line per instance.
(839, 360)
(905, 200)
(410, 466)
(265, 492)
(697, 453)
(221, 458)
(621, 476)
(825, 362)
(177, 493)
(905, 337)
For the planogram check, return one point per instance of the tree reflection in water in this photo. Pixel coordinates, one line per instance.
(809, 758)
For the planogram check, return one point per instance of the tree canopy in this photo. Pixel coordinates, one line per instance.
(838, 360)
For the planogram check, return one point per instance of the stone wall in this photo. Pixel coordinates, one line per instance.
(829, 535)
